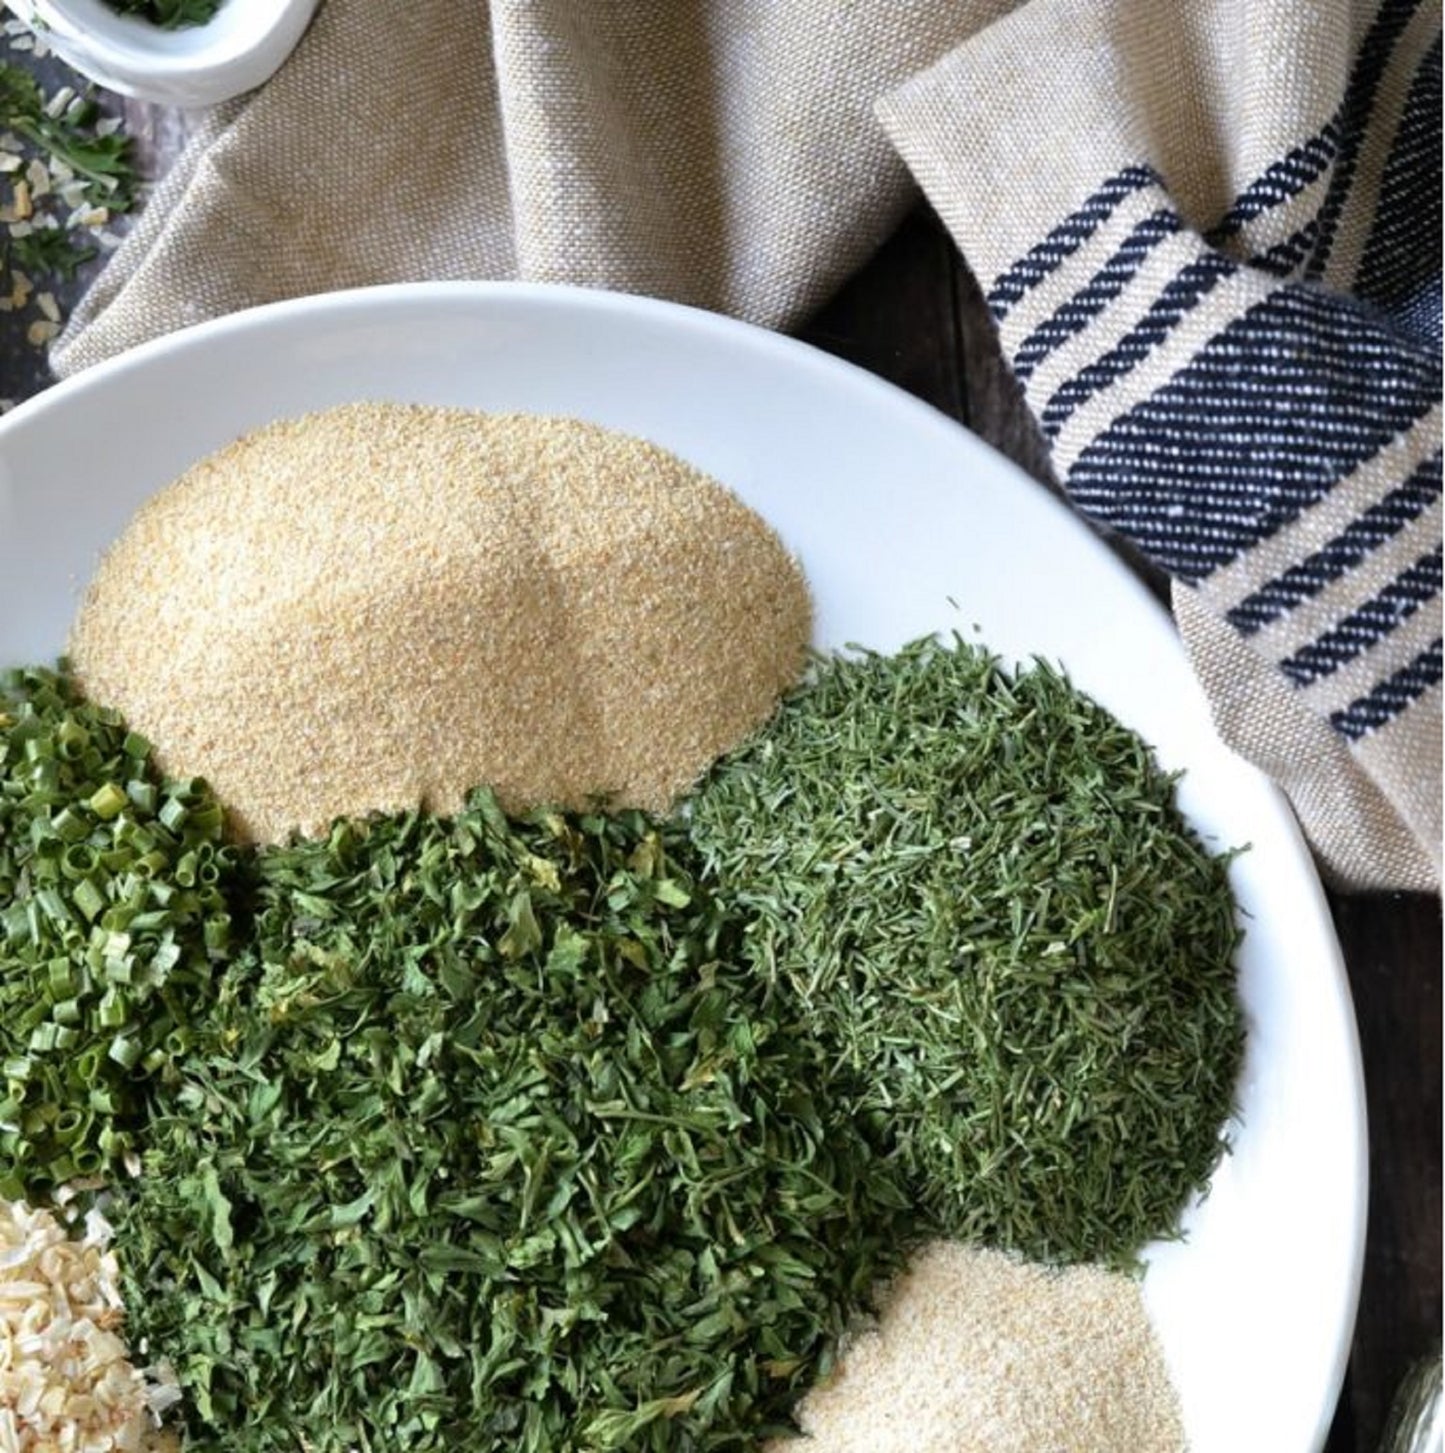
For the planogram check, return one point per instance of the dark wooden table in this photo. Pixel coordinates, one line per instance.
(914, 316)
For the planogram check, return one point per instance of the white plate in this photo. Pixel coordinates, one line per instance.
(896, 513)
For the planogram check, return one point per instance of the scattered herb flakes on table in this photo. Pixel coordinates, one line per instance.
(111, 919)
(492, 1142)
(68, 171)
(981, 887)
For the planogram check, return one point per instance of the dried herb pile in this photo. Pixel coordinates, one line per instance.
(581, 1131)
(168, 14)
(980, 887)
(111, 922)
(492, 1143)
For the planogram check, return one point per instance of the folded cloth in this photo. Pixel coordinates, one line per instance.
(718, 152)
(1210, 235)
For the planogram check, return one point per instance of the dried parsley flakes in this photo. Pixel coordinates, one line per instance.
(491, 1142)
(980, 886)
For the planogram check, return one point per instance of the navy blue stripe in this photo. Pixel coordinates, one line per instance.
(1367, 625)
(1106, 285)
(1284, 258)
(1183, 293)
(1401, 262)
(1381, 522)
(1283, 179)
(1420, 314)
(1288, 398)
(1370, 65)
(1066, 239)
(1390, 697)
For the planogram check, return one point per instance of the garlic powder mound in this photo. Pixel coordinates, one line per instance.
(66, 1382)
(382, 606)
(978, 1351)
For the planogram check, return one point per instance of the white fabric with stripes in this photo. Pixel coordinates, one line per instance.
(1250, 393)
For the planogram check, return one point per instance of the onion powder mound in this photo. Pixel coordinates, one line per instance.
(977, 1351)
(381, 606)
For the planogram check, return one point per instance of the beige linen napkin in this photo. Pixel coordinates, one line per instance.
(1132, 175)
(717, 152)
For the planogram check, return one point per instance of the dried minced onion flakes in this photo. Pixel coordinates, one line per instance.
(66, 1381)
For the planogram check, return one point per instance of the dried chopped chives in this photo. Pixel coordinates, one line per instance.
(108, 802)
(101, 945)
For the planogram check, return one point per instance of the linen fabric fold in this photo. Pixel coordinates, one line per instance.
(722, 153)
(1210, 235)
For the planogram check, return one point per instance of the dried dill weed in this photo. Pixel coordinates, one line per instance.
(381, 606)
(979, 883)
(978, 1351)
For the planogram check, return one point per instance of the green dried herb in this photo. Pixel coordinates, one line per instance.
(111, 917)
(51, 250)
(980, 886)
(168, 14)
(491, 1143)
(103, 162)
(589, 1132)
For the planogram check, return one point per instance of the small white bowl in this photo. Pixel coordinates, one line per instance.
(196, 65)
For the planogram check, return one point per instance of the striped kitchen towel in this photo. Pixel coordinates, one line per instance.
(1210, 236)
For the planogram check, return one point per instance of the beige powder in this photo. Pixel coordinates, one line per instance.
(382, 605)
(977, 1352)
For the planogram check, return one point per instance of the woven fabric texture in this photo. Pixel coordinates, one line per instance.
(1222, 298)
